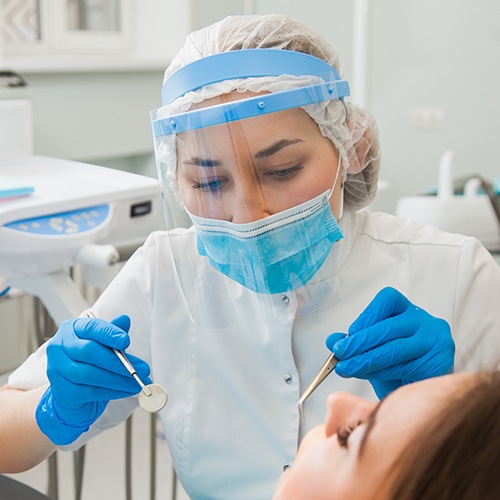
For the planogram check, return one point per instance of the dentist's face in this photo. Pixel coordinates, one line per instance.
(354, 455)
(246, 170)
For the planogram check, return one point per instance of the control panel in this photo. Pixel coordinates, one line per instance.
(64, 223)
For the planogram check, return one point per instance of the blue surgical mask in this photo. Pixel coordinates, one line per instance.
(276, 254)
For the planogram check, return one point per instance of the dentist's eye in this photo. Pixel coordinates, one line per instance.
(344, 432)
(210, 186)
(285, 173)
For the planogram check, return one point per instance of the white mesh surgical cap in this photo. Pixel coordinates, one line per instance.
(350, 128)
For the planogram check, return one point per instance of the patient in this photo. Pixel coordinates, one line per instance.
(436, 440)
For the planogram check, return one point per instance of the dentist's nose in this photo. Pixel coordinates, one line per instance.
(250, 204)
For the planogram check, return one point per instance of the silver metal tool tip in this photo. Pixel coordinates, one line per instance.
(300, 406)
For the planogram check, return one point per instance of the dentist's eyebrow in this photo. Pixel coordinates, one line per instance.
(370, 424)
(277, 146)
(197, 161)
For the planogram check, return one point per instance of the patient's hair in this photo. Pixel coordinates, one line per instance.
(457, 456)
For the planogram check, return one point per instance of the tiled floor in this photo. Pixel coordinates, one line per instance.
(104, 474)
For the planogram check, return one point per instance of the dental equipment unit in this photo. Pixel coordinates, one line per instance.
(470, 206)
(67, 214)
(78, 213)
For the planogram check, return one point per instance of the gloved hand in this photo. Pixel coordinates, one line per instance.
(85, 374)
(393, 343)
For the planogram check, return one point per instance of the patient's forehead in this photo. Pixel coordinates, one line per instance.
(414, 403)
(438, 386)
(401, 417)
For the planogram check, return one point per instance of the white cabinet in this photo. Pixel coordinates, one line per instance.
(94, 70)
(87, 35)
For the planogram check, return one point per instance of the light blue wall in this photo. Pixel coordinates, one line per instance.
(206, 12)
(94, 116)
(442, 54)
(438, 54)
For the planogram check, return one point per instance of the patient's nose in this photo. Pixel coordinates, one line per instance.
(344, 409)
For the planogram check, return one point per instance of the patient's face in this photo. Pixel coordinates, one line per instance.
(352, 455)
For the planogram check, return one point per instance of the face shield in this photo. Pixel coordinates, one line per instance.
(260, 183)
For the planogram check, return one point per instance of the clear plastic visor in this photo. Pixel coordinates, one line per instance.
(245, 170)
(245, 173)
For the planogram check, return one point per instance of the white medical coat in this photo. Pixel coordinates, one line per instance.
(232, 421)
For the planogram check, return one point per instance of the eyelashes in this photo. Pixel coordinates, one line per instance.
(284, 173)
(344, 432)
(216, 184)
(207, 186)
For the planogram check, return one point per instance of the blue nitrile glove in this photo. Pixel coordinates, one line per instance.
(85, 374)
(393, 343)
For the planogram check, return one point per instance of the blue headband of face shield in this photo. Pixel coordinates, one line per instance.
(245, 64)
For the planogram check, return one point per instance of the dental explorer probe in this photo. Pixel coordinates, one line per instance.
(324, 371)
(153, 397)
